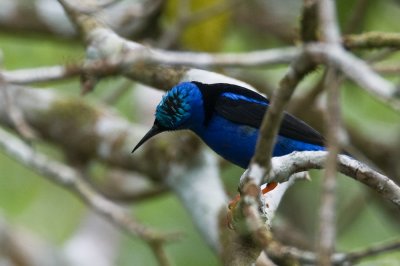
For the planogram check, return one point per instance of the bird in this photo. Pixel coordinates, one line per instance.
(227, 118)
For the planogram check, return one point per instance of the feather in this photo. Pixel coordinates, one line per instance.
(250, 112)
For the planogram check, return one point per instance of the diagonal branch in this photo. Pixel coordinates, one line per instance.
(375, 250)
(357, 70)
(70, 179)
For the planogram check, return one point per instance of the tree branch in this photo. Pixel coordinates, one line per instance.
(357, 70)
(372, 40)
(70, 179)
(284, 166)
(327, 213)
(306, 257)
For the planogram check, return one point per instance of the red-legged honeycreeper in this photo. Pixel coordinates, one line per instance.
(227, 118)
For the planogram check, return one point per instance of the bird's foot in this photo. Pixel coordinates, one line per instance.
(233, 203)
(231, 206)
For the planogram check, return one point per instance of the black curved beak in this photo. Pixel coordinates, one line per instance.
(152, 132)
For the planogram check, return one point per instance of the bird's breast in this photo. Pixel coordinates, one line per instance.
(235, 143)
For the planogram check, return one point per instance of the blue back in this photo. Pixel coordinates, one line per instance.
(237, 143)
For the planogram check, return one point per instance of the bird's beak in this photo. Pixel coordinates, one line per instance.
(152, 132)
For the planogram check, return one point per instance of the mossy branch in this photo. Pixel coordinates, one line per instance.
(372, 40)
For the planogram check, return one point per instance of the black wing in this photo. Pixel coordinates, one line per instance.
(251, 114)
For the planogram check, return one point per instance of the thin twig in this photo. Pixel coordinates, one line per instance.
(277, 250)
(387, 69)
(370, 40)
(356, 70)
(39, 74)
(271, 122)
(142, 55)
(16, 116)
(159, 251)
(327, 214)
(369, 252)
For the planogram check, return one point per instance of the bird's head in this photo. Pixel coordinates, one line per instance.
(179, 108)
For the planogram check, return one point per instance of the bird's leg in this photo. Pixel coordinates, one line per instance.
(229, 216)
(269, 187)
(233, 203)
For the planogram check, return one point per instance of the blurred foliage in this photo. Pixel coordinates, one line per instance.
(209, 34)
(28, 200)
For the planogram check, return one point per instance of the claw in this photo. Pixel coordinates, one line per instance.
(229, 220)
(233, 203)
(229, 216)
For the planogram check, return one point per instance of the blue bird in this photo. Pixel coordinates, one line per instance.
(227, 118)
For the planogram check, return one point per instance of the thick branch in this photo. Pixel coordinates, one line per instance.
(283, 167)
(73, 181)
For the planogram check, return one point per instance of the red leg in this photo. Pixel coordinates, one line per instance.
(235, 201)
